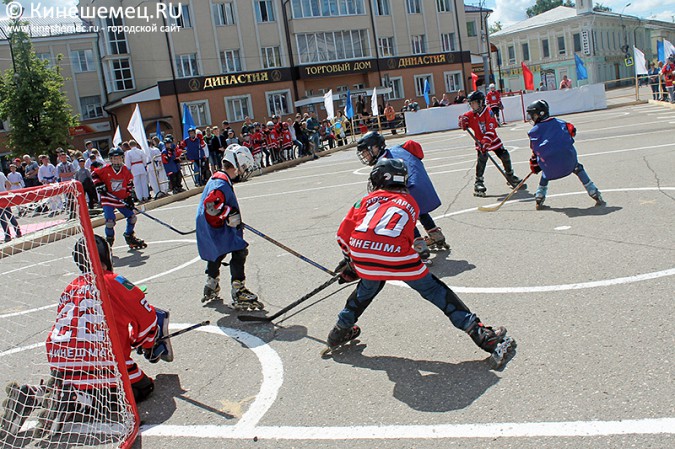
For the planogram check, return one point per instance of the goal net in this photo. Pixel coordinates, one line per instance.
(61, 362)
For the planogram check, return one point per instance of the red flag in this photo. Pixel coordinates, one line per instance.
(527, 77)
(474, 80)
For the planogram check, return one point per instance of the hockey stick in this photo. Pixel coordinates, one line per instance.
(496, 208)
(501, 170)
(286, 248)
(135, 209)
(187, 329)
(291, 305)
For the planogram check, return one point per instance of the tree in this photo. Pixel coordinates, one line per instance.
(32, 99)
(542, 6)
(601, 8)
(497, 26)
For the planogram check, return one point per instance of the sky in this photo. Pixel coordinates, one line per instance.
(507, 12)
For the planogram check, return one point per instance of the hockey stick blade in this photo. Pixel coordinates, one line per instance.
(291, 305)
(496, 208)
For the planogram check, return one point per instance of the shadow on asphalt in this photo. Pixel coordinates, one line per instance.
(425, 385)
(574, 212)
(132, 259)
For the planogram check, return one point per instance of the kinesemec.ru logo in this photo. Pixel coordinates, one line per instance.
(172, 12)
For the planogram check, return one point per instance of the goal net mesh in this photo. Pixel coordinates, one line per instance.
(61, 365)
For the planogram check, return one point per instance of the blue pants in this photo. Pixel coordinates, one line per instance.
(109, 214)
(578, 170)
(430, 287)
(196, 168)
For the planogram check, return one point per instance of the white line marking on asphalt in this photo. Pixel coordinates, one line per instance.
(656, 426)
(562, 228)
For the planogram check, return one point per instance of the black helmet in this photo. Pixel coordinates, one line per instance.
(81, 255)
(476, 95)
(540, 108)
(168, 138)
(117, 151)
(366, 143)
(387, 174)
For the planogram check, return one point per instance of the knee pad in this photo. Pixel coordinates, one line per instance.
(143, 388)
(578, 169)
(110, 224)
(133, 219)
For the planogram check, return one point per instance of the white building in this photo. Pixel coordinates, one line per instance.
(548, 42)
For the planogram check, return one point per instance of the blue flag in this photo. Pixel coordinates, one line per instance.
(427, 89)
(158, 132)
(582, 74)
(659, 51)
(188, 122)
(349, 109)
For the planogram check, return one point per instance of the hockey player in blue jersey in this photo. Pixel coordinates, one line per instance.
(371, 147)
(553, 152)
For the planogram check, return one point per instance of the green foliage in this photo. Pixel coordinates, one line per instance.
(33, 101)
(601, 8)
(497, 26)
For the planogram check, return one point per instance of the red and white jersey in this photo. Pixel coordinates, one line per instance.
(484, 127)
(257, 140)
(272, 138)
(78, 341)
(286, 139)
(118, 184)
(493, 98)
(378, 234)
(668, 72)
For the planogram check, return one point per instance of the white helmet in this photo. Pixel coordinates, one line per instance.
(492, 86)
(270, 124)
(241, 158)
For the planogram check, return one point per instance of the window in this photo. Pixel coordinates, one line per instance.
(413, 6)
(122, 78)
(471, 29)
(271, 57)
(332, 46)
(327, 8)
(117, 41)
(512, 54)
(443, 5)
(396, 85)
(419, 84)
(83, 60)
(91, 107)
(186, 65)
(200, 112)
(577, 41)
(419, 45)
(264, 11)
(45, 57)
(544, 49)
(180, 16)
(453, 81)
(448, 42)
(561, 45)
(230, 61)
(238, 107)
(279, 103)
(526, 51)
(224, 13)
(386, 46)
(382, 7)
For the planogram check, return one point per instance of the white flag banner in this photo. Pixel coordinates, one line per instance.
(640, 62)
(137, 131)
(668, 48)
(328, 103)
(373, 103)
(117, 138)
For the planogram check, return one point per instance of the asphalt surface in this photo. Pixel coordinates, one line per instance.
(587, 292)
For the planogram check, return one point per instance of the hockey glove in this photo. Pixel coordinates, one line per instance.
(534, 165)
(102, 189)
(464, 122)
(162, 349)
(129, 202)
(346, 271)
(234, 220)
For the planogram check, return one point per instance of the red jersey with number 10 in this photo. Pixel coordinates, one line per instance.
(378, 234)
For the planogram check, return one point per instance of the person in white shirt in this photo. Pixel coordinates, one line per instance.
(6, 216)
(136, 161)
(94, 156)
(158, 178)
(47, 175)
(15, 179)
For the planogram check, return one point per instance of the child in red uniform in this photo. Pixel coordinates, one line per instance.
(77, 333)
(376, 238)
(484, 126)
(287, 152)
(494, 102)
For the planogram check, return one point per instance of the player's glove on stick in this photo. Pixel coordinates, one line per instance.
(464, 122)
(346, 271)
(102, 189)
(234, 220)
(129, 202)
(534, 166)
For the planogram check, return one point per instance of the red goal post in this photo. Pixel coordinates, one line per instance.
(47, 222)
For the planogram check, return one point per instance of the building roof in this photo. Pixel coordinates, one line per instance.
(470, 8)
(49, 26)
(559, 14)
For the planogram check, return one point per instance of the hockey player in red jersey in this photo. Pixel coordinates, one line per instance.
(376, 238)
(494, 102)
(114, 183)
(76, 349)
(484, 126)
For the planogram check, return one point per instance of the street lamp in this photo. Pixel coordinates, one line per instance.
(624, 47)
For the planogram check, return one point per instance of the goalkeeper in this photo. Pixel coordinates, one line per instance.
(83, 371)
